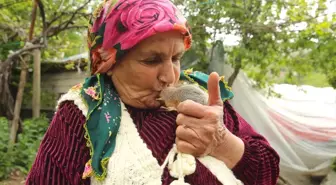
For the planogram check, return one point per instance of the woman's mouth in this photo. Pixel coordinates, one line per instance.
(159, 98)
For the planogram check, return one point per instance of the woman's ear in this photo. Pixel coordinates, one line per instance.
(109, 72)
(112, 69)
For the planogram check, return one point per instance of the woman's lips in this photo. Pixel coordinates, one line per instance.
(159, 99)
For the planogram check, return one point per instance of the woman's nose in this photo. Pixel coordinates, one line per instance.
(167, 74)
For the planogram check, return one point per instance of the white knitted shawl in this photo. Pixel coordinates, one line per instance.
(132, 163)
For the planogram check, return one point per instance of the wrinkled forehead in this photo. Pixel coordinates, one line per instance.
(165, 43)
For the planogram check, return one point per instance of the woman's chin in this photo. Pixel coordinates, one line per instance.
(149, 104)
(153, 104)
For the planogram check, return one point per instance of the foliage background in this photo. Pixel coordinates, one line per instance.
(25, 150)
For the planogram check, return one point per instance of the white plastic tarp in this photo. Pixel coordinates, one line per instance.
(301, 125)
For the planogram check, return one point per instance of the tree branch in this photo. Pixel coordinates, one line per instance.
(75, 13)
(44, 23)
(61, 14)
(17, 53)
(12, 3)
(71, 18)
(57, 30)
(38, 42)
(32, 23)
(65, 14)
(65, 25)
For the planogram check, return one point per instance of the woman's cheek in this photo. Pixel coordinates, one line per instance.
(177, 73)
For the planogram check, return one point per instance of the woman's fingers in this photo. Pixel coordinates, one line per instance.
(186, 147)
(188, 121)
(192, 109)
(197, 127)
(195, 132)
(188, 134)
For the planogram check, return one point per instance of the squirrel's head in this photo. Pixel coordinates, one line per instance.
(173, 95)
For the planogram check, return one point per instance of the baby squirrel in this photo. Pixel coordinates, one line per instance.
(173, 95)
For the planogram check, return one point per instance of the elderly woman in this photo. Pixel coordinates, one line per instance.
(112, 129)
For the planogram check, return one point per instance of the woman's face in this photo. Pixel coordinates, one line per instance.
(149, 67)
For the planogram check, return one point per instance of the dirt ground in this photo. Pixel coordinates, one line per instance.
(16, 179)
(13, 182)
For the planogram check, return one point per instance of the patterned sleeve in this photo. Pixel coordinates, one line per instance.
(260, 162)
(63, 153)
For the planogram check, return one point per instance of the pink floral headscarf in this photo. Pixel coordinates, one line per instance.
(118, 25)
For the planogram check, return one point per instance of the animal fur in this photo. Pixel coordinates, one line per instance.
(173, 95)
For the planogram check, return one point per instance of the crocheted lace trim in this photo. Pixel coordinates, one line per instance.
(73, 95)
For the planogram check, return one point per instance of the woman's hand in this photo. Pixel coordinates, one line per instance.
(201, 130)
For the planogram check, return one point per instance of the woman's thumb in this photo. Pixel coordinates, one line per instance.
(214, 90)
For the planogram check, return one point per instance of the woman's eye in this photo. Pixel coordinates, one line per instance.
(151, 61)
(176, 59)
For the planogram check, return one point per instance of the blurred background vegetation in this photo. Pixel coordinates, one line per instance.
(24, 151)
(273, 41)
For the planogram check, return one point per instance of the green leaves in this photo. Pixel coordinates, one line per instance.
(29, 141)
(293, 37)
(24, 152)
(66, 24)
(5, 160)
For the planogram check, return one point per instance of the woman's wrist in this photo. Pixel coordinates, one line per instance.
(230, 150)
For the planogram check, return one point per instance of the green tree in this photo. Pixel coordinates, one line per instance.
(25, 35)
(61, 36)
(269, 41)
